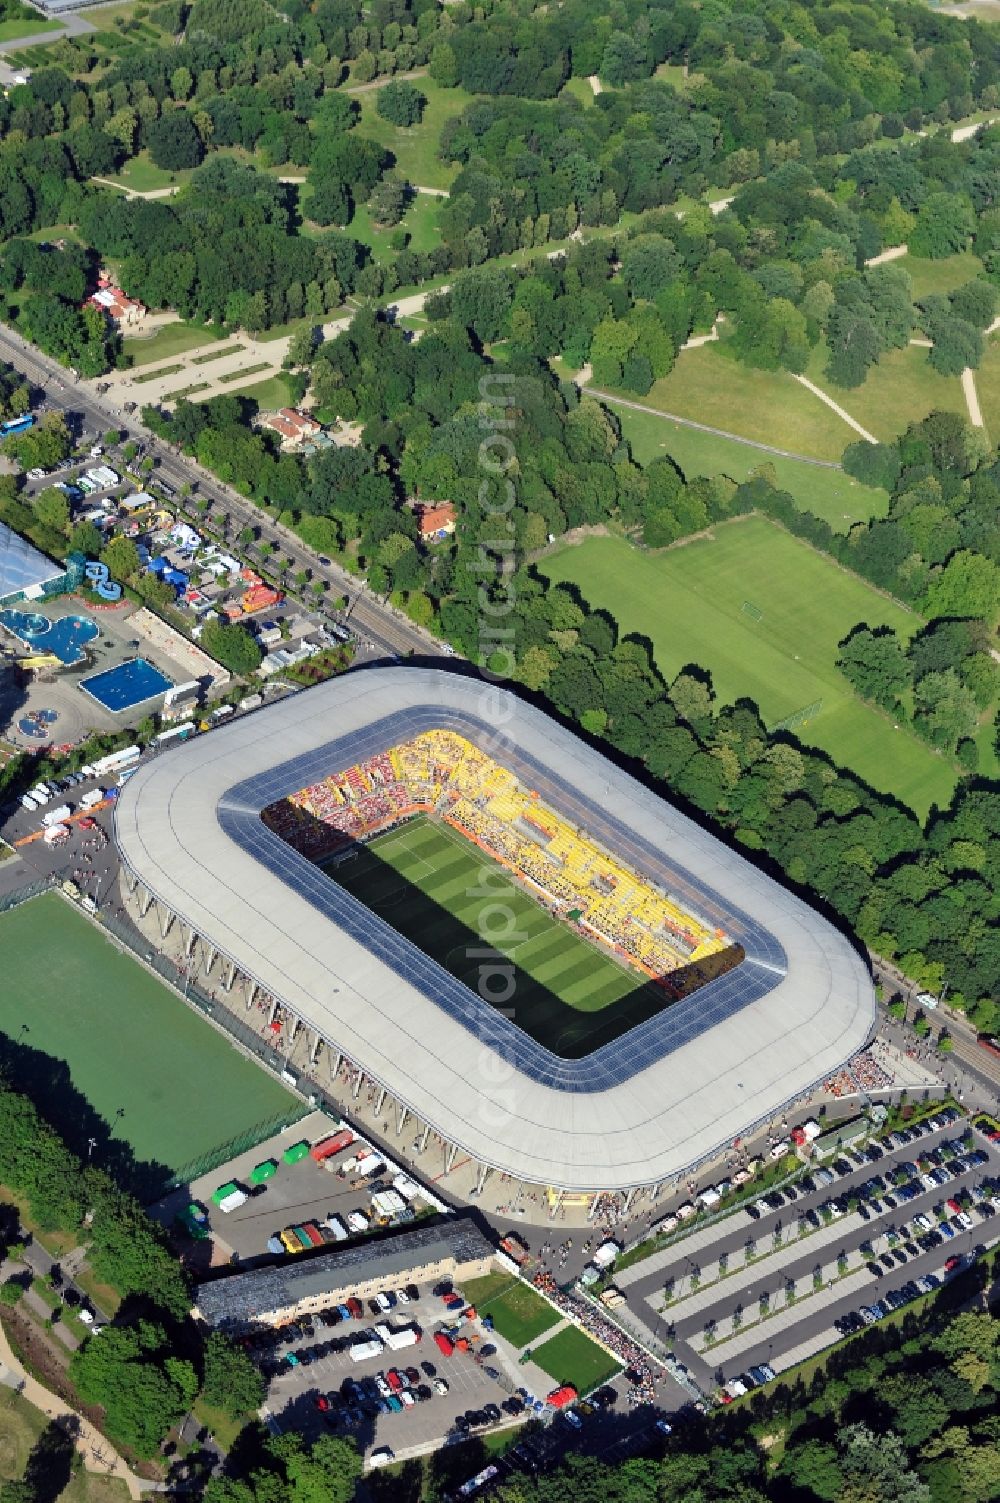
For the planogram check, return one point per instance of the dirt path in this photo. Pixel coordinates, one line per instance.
(99, 1455)
(836, 407)
(380, 83)
(892, 254)
(169, 192)
(595, 84)
(971, 396)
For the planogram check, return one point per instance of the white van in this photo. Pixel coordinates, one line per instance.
(928, 1000)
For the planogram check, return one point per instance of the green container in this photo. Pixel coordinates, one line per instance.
(296, 1152)
(303, 1236)
(224, 1190)
(260, 1172)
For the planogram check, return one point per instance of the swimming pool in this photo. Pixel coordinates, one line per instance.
(129, 684)
(65, 638)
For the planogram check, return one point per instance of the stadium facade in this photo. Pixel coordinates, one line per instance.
(639, 1111)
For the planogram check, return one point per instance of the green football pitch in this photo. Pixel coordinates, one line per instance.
(764, 612)
(73, 1005)
(441, 893)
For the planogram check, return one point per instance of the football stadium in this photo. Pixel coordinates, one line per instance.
(530, 952)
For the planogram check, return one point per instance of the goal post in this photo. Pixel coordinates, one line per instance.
(798, 717)
(753, 611)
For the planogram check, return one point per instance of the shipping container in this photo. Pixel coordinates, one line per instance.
(327, 1147)
(361, 1350)
(95, 796)
(275, 1245)
(402, 1336)
(314, 1234)
(337, 1227)
(296, 1153)
(370, 1164)
(262, 1172)
(303, 1236)
(56, 816)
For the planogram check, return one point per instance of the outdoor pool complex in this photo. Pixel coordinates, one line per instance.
(65, 639)
(129, 684)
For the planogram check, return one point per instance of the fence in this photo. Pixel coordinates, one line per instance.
(223, 1152)
(21, 895)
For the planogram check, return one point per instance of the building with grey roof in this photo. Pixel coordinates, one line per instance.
(640, 1110)
(452, 1248)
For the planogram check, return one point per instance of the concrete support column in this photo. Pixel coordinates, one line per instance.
(402, 1113)
(451, 1157)
(481, 1178)
(131, 881)
(423, 1138)
(314, 1051)
(145, 902)
(190, 937)
(296, 1025)
(336, 1060)
(357, 1083)
(274, 1011)
(380, 1100)
(250, 992)
(230, 976)
(595, 1201)
(166, 921)
(211, 956)
(558, 1205)
(629, 1194)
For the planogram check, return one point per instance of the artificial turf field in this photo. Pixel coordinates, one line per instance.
(426, 881)
(127, 1041)
(571, 1357)
(517, 1312)
(689, 601)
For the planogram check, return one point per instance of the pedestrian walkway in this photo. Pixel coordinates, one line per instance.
(836, 407)
(99, 1455)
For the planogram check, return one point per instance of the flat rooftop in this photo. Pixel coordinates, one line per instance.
(240, 1297)
(641, 1109)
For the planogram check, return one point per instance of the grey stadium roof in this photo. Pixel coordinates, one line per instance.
(22, 566)
(638, 1110)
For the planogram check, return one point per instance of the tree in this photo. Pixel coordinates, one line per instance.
(875, 665)
(945, 223)
(231, 1381)
(969, 585)
(400, 103)
(122, 559)
(52, 509)
(232, 646)
(173, 141)
(387, 203)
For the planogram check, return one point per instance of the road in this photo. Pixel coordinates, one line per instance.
(375, 622)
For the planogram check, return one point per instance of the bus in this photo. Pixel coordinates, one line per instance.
(175, 733)
(17, 425)
(990, 1044)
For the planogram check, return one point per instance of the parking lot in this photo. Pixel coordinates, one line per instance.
(315, 1391)
(770, 1283)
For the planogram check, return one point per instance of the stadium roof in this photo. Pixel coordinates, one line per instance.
(22, 567)
(638, 1110)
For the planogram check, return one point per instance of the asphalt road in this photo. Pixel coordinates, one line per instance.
(372, 620)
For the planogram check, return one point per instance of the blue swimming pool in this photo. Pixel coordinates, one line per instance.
(129, 684)
(65, 638)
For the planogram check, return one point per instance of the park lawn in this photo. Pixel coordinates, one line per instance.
(21, 1424)
(830, 494)
(901, 389)
(425, 879)
(81, 1009)
(415, 147)
(579, 89)
(269, 395)
(171, 339)
(420, 222)
(768, 406)
(13, 31)
(143, 176)
(518, 1312)
(689, 600)
(939, 276)
(572, 1357)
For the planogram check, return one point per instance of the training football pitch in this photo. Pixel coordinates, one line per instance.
(763, 612)
(129, 1045)
(440, 892)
